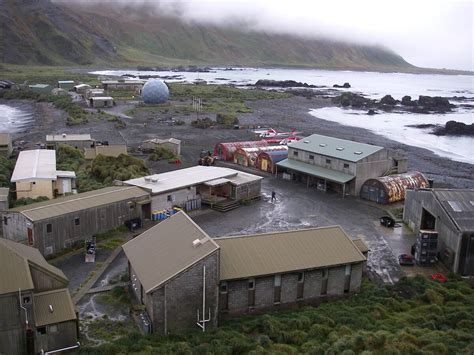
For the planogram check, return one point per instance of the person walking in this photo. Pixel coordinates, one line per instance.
(273, 196)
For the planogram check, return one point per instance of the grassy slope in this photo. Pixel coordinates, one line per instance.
(416, 316)
(46, 33)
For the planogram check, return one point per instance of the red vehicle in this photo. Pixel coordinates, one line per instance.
(406, 260)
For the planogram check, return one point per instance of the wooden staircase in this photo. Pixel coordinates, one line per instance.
(225, 206)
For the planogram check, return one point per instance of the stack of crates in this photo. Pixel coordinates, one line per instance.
(426, 247)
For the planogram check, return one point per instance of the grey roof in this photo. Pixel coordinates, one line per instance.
(178, 179)
(161, 141)
(53, 307)
(459, 205)
(315, 170)
(335, 147)
(68, 137)
(35, 164)
(281, 252)
(78, 202)
(14, 266)
(166, 250)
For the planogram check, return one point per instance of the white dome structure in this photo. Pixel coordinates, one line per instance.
(155, 92)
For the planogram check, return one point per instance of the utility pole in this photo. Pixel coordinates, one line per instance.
(197, 105)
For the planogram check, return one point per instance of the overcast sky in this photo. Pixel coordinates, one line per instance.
(427, 33)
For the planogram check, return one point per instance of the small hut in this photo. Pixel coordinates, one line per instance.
(246, 156)
(101, 101)
(390, 189)
(82, 88)
(225, 151)
(266, 160)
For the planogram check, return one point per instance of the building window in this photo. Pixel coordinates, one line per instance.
(251, 293)
(223, 287)
(252, 284)
(26, 300)
(346, 166)
(41, 330)
(277, 280)
(5, 220)
(295, 153)
(324, 282)
(169, 198)
(277, 289)
(328, 161)
(49, 228)
(311, 157)
(77, 221)
(347, 277)
(301, 277)
(53, 328)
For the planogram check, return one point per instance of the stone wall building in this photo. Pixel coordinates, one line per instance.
(337, 164)
(183, 277)
(36, 311)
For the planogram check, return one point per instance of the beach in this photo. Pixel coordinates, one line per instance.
(281, 114)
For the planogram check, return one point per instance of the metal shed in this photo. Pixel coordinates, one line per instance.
(225, 151)
(266, 160)
(390, 189)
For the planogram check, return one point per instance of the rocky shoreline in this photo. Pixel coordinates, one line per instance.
(281, 114)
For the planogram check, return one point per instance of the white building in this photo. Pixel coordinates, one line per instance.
(35, 175)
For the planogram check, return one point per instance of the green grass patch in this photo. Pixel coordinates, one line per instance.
(415, 316)
(161, 153)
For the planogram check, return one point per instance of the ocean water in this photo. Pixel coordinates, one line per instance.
(372, 84)
(14, 118)
(396, 126)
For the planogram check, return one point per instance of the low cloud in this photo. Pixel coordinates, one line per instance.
(427, 33)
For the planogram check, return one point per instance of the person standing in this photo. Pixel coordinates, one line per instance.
(273, 196)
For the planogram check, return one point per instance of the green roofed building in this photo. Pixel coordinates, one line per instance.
(341, 165)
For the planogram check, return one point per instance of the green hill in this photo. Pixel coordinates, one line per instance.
(42, 32)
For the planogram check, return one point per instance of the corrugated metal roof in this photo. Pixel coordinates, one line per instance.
(65, 174)
(315, 170)
(14, 267)
(182, 178)
(101, 98)
(65, 81)
(276, 155)
(35, 164)
(335, 147)
(161, 141)
(5, 138)
(462, 210)
(53, 307)
(67, 137)
(281, 252)
(243, 178)
(82, 86)
(82, 201)
(396, 185)
(165, 250)
(14, 270)
(361, 245)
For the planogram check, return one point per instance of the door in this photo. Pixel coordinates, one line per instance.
(30, 236)
(264, 164)
(66, 186)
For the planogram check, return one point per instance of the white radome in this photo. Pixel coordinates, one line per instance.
(155, 92)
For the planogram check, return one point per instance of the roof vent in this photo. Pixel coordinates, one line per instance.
(51, 309)
(322, 144)
(358, 152)
(64, 135)
(340, 148)
(154, 180)
(147, 179)
(306, 142)
(196, 243)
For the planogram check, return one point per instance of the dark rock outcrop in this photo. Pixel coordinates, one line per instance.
(354, 100)
(388, 100)
(407, 101)
(283, 84)
(454, 128)
(371, 112)
(345, 86)
(435, 103)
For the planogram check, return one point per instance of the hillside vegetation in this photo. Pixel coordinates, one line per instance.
(43, 32)
(416, 316)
